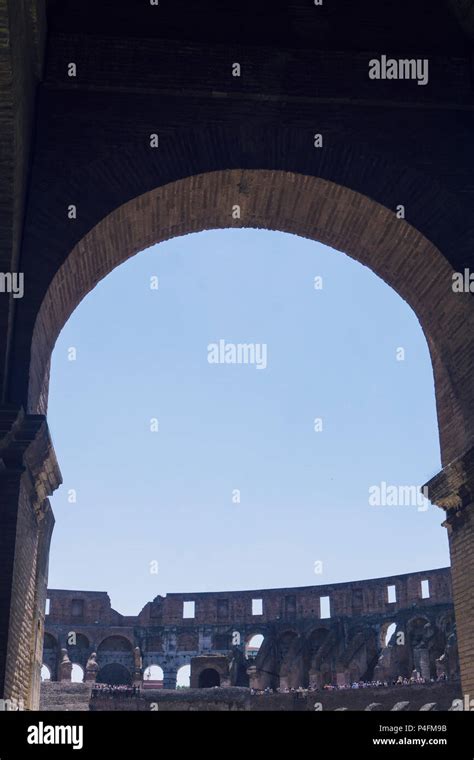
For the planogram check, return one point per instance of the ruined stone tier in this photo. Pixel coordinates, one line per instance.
(375, 596)
(380, 628)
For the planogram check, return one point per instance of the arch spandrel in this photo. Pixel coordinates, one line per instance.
(311, 207)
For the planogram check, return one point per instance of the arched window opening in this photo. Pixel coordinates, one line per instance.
(153, 677)
(49, 642)
(388, 633)
(114, 674)
(115, 644)
(253, 645)
(183, 677)
(77, 674)
(357, 288)
(45, 673)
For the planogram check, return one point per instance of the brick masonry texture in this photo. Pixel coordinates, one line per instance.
(301, 646)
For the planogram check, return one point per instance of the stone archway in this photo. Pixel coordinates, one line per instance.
(288, 202)
(208, 678)
(114, 674)
(317, 209)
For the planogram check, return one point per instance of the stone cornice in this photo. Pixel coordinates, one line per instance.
(452, 489)
(26, 446)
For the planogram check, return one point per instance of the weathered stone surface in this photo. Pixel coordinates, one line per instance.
(412, 697)
(300, 648)
(65, 697)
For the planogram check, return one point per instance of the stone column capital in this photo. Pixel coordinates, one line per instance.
(26, 446)
(452, 489)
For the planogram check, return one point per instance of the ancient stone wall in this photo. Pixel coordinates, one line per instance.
(300, 646)
(167, 70)
(439, 697)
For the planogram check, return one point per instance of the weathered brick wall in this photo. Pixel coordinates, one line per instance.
(28, 474)
(461, 543)
(250, 139)
(46, 525)
(96, 607)
(352, 639)
(23, 601)
(372, 593)
(9, 510)
(453, 490)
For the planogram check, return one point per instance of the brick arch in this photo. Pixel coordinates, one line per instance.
(209, 677)
(417, 618)
(50, 642)
(317, 636)
(446, 622)
(120, 643)
(82, 642)
(249, 636)
(308, 206)
(289, 634)
(415, 626)
(255, 631)
(114, 673)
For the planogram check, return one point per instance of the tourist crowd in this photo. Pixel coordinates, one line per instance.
(400, 681)
(113, 690)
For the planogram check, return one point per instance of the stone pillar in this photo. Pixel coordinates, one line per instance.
(28, 475)
(453, 490)
(169, 678)
(137, 675)
(315, 680)
(284, 683)
(343, 677)
(421, 658)
(253, 677)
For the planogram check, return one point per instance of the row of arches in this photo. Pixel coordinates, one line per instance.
(115, 657)
(77, 673)
(421, 644)
(80, 644)
(80, 641)
(115, 674)
(289, 656)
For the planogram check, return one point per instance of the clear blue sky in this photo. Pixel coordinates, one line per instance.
(166, 496)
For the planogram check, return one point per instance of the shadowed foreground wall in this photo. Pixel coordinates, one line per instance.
(439, 697)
